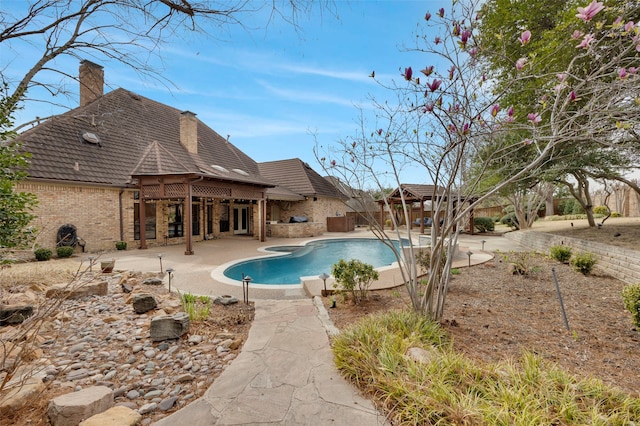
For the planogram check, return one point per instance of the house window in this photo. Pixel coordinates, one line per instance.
(195, 219)
(224, 217)
(150, 221)
(175, 225)
(209, 218)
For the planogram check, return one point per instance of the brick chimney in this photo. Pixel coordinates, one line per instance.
(189, 131)
(91, 82)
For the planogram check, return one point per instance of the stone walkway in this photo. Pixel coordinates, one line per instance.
(284, 375)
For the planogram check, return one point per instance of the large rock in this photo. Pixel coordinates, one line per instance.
(144, 302)
(18, 393)
(70, 409)
(167, 327)
(14, 314)
(117, 416)
(76, 291)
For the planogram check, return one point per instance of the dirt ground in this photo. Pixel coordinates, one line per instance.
(492, 315)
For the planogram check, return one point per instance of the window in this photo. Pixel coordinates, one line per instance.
(150, 219)
(175, 225)
(209, 218)
(224, 217)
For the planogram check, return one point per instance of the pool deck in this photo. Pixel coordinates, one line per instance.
(201, 272)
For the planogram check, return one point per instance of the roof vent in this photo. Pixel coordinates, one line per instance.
(91, 138)
(240, 172)
(219, 168)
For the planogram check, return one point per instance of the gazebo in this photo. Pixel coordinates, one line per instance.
(413, 193)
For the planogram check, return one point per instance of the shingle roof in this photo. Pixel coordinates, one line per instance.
(136, 136)
(299, 177)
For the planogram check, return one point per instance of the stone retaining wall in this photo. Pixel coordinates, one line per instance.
(295, 230)
(621, 263)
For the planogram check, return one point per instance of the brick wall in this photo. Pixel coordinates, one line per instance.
(94, 212)
(315, 210)
(620, 263)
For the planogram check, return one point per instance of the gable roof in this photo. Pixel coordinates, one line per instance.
(134, 135)
(359, 200)
(299, 177)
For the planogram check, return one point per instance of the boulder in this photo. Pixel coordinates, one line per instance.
(225, 300)
(76, 291)
(144, 302)
(118, 415)
(167, 327)
(14, 314)
(152, 281)
(72, 408)
(16, 394)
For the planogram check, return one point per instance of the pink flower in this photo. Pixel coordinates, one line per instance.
(427, 71)
(466, 129)
(561, 76)
(427, 16)
(495, 109)
(617, 23)
(587, 13)
(572, 96)
(434, 85)
(428, 107)
(441, 12)
(379, 132)
(473, 52)
(452, 71)
(520, 63)
(559, 87)
(628, 27)
(586, 41)
(622, 73)
(577, 34)
(408, 72)
(632, 70)
(528, 141)
(333, 163)
(510, 111)
(464, 37)
(437, 40)
(534, 117)
(456, 30)
(452, 128)
(525, 37)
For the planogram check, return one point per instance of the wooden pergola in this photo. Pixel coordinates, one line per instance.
(188, 185)
(414, 193)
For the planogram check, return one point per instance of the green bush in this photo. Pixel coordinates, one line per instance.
(631, 298)
(583, 262)
(510, 220)
(355, 277)
(603, 210)
(616, 214)
(570, 206)
(483, 224)
(496, 218)
(561, 253)
(42, 254)
(64, 251)
(121, 245)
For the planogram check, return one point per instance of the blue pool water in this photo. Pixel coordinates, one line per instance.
(311, 259)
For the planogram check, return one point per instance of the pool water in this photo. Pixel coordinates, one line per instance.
(312, 259)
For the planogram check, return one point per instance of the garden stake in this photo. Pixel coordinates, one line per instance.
(564, 314)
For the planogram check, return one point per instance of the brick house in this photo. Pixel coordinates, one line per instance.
(120, 160)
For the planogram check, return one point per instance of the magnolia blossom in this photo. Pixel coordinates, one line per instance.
(434, 85)
(561, 76)
(473, 52)
(632, 70)
(437, 40)
(559, 87)
(427, 16)
(441, 12)
(587, 13)
(452, 71)
(586, 41)
(427, 71)
(466, 129)
(520, 63)
(572, 96)
(629, 26)
(333, 163)
(452, 128)
(428, 107)
(379, 132)
(577, 34)
(495, 109)
(408, 72)
(527, 141)
(534, 117)
(525, 37)
(464, 37)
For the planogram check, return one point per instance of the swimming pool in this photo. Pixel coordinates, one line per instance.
(312, 259)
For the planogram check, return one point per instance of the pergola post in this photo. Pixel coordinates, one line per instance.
(188, 219)
(421, 216)
(262, 213)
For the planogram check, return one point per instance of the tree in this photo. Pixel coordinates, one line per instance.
(15, 207)
(449, 111)
(131, 32)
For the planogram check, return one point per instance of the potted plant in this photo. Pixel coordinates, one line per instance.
(107, 266)
(121, 245)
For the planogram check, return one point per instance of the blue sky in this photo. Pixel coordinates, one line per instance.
(270, 89)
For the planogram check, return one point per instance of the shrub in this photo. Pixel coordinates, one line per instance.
(510, 220)
(520, 262)
(603, 210)
(355, 277)
(483, 224)
(121, 245)
(496, 218)
(197, 307)
(42, 254)
(631, 298)
(561, 253)
(583, 262)
(616, 214)
(387, 223)
(64, 251)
